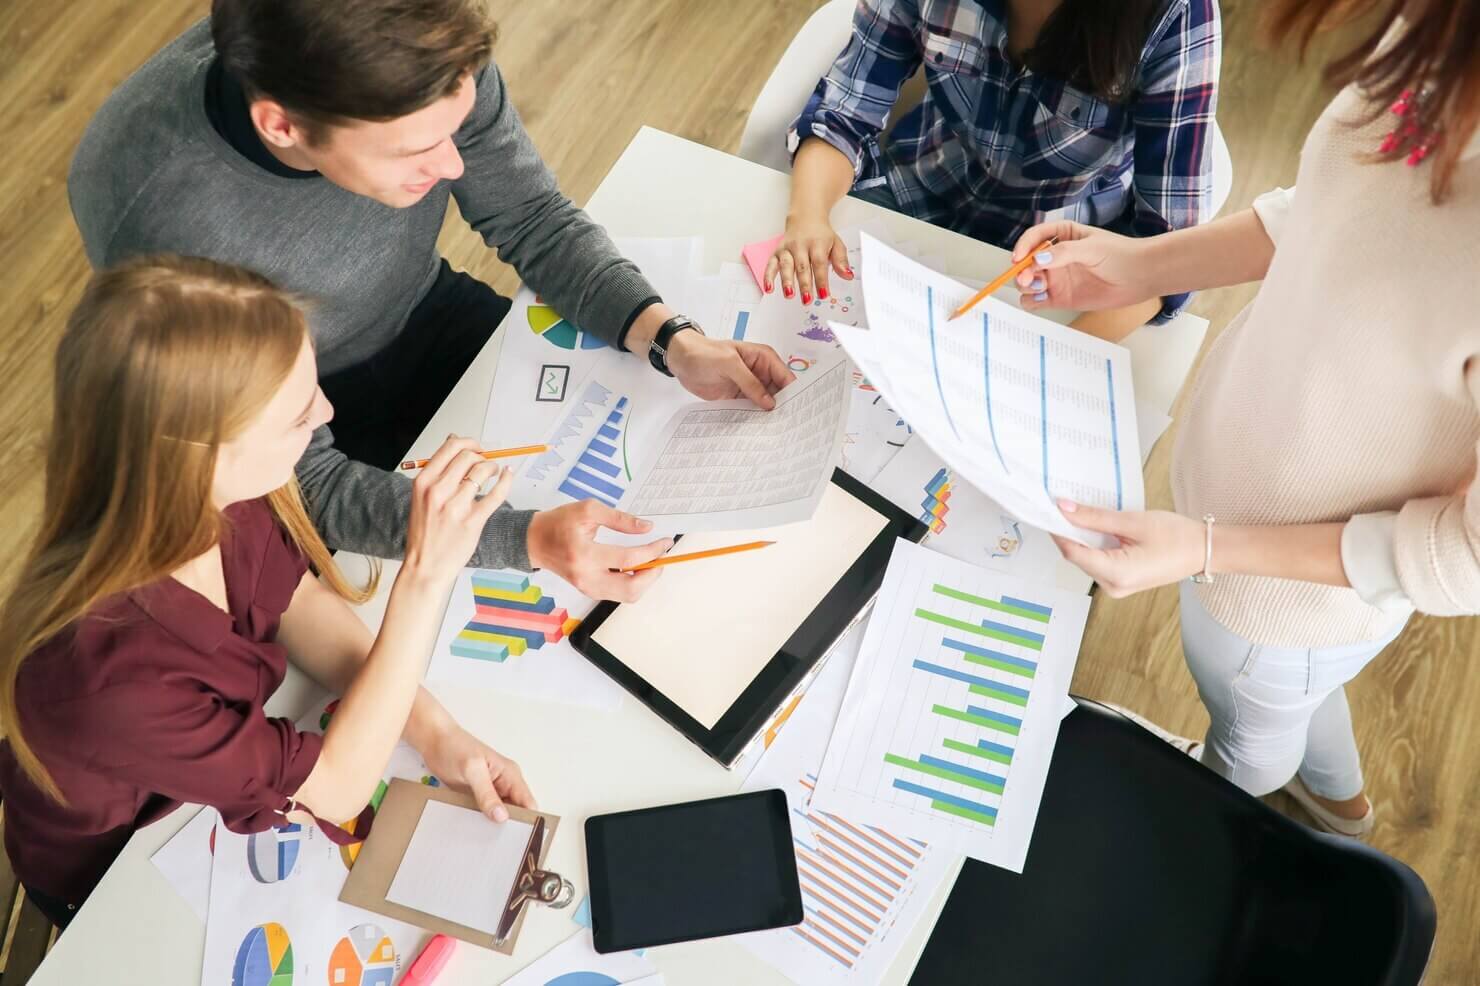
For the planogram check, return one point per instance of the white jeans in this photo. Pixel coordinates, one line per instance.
(1276, 710)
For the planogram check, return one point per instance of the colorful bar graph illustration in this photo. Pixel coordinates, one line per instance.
(989, 664)
(600, 471)
(851, 877)
(936, 503)
(741, 318)
(510, 615)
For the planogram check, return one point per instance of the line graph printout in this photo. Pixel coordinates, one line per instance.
(1025, 409)
(953, 709)
(728, 465)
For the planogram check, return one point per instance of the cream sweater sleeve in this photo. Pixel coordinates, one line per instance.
(1437, 542)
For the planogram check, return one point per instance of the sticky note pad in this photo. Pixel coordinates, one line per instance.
(756, 255)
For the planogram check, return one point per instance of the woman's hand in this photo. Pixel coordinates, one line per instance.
(807, 249)
(1157, 547)
(465, 763)
(1088, 269)
(447, 513)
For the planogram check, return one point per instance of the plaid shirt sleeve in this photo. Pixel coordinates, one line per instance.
(852, 102)
(1172, 186)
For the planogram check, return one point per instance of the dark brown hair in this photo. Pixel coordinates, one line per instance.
(330, 61)
(1437, 48)
(1095, 45)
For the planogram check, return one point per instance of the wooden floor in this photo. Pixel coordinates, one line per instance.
(585, 75)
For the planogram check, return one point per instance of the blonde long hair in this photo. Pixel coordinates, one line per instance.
(163, 360)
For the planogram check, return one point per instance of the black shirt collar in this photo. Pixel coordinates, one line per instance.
(226, 106)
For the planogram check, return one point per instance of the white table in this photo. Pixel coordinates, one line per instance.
(136, 930)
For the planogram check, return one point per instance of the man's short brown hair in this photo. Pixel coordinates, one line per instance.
(332, 61)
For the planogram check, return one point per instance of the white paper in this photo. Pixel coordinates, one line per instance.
(296, 920)
(966, 524)
(549, 670)
(263, 894)
(543, 356)
(863, 889)
(577, 959)
(185, 860)
(726, 465)
(1025, 409)
(459, 865)
(937, 690)
(1151, 424)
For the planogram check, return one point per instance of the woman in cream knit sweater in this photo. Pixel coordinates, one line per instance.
(1324, 471)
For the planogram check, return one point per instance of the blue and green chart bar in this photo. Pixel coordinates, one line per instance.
(993, 660)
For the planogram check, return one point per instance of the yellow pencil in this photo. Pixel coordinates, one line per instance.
(696, 555)
(1007, 275)
(503, 453)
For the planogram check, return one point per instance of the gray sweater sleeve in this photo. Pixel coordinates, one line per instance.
(508, 194)
(357, 507)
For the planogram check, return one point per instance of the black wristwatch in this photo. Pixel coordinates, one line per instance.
(658, 348)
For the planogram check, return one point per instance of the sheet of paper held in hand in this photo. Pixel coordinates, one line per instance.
(1025, 409)
(728, 465)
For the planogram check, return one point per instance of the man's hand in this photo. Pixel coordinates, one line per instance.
(563, 540)
(465, 763)
(714, 369)
(723, 369)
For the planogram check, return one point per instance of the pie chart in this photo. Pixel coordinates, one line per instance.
(265, 958)
(547, 323)
(360, 825)
(583, 979)
(271, 855)
(364, 957)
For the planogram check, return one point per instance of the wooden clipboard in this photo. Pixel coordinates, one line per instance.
(380, 857)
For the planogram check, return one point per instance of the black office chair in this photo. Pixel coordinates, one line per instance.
(1147, 868)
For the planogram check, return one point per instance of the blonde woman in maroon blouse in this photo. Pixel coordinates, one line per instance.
(169, 580)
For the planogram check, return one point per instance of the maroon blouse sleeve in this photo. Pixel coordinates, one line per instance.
(191, 745)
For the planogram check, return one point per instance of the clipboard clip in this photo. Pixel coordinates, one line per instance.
(533, 885)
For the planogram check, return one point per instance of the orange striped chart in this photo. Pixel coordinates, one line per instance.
(852, 877)
(510, 616)
(364, 957)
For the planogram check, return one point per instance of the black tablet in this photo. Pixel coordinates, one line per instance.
(695, 870)
(716, 646)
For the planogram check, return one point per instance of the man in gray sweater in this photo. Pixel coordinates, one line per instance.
(317, 142)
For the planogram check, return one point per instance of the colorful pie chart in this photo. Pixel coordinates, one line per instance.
(547, 323)
(364, 957)
(264, 959)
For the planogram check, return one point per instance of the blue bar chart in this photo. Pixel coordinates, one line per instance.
(962, 678)
(600, 473)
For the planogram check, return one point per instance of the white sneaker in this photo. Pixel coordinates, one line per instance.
(1191, 747)
(1355, 828)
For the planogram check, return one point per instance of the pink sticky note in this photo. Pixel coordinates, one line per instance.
(756, 255)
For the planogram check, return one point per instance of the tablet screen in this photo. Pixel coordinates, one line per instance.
(706, 629)
(695, 870)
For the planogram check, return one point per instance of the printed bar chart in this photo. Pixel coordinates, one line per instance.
(510, 616)
(948, 726)
(600, 470)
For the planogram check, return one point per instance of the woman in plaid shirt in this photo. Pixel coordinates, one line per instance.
(1035, 110)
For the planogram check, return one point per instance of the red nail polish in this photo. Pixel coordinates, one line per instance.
(848, 271)
(786, 291)
(822, 293)
(768, 289)
(806, 298)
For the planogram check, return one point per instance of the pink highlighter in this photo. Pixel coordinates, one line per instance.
(430, 962)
